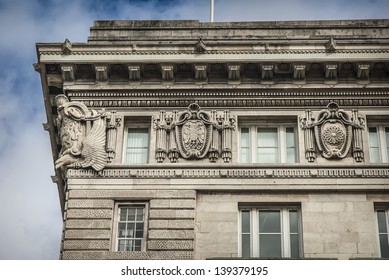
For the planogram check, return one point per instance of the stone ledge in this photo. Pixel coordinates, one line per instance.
(132, 194)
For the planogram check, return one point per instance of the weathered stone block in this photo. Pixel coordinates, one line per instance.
(149, 255)
(86, 245)
(90, 203)
(170, 245)
(172, 203)
(348, 248)
(88, 224)
(171, 224)
(89, 214)
(313, 247)
(171, 214)
(311, 207)
(367, 248)
(87, 234)
(331, 247)
(333, 206)
(171, 234)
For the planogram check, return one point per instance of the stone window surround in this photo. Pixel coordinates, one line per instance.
(254, 208)
(115, 221)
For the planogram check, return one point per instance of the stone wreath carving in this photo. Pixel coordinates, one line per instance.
(333, 133)
(83, 135)
(193, 134)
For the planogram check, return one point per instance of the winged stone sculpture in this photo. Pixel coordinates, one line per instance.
(82, 135)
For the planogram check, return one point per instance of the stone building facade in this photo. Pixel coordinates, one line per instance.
(190, 140)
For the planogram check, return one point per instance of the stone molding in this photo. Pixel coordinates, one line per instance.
(241, 171)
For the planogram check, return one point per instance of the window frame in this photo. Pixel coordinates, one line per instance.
(281, 138)
(285, 229)
(125, 140)
(383, 145)
(116, 220)
(385, 208)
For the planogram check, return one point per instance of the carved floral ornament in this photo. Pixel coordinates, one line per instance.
(87, 137)
(333, 132)
(193, 134)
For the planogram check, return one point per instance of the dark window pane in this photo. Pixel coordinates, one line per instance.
(131, 214)
(269, 222)
(294, 246)
(122, 245)
(384, 245)
(139, 214)
(123, 214)
(138, 245)
(246, 245)
(270, 245)
(381, 216)
(122, 230)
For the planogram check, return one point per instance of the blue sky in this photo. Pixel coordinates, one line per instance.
(30, 218)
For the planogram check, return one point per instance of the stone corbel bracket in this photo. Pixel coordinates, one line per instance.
(333, 132)
(193, 134)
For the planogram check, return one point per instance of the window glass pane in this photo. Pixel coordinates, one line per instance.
(290, 155)
(267, 137)
(267, 155)
(246, 245)
(269, 222)
(122, 230)
(245, 145)
(384, 246)
(290, 139)
(137, 145)
(381, 216)
(373, 137)
(123, 214)
(293, 221)
(138, 245)
(139, 214)
(270, 245)
(131, 214)
(245, 221)
(294, 246)
(122, 245)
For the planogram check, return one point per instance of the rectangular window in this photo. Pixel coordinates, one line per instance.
(130, 231)
(137, 148)
(268, 144)
(379, 144)
(383, 234)
(270, 232)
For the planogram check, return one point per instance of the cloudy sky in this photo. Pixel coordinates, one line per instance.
(30, 218)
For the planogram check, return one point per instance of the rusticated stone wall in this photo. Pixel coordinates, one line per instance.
(89, 225)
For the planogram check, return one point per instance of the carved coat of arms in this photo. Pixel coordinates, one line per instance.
(334, 132)
(193, 134)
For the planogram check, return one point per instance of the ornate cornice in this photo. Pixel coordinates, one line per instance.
(236, 171)
(233, 98)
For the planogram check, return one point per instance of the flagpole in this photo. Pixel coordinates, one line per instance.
(212, 8)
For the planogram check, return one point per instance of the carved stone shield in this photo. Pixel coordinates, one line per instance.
(193, 136)
(334, 138)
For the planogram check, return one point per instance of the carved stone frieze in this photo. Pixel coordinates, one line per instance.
(83, 135)
(333, 132)
(193, 134)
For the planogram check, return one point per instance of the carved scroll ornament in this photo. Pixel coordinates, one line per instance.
(83, 135)
(193, 134)
(333, 133)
